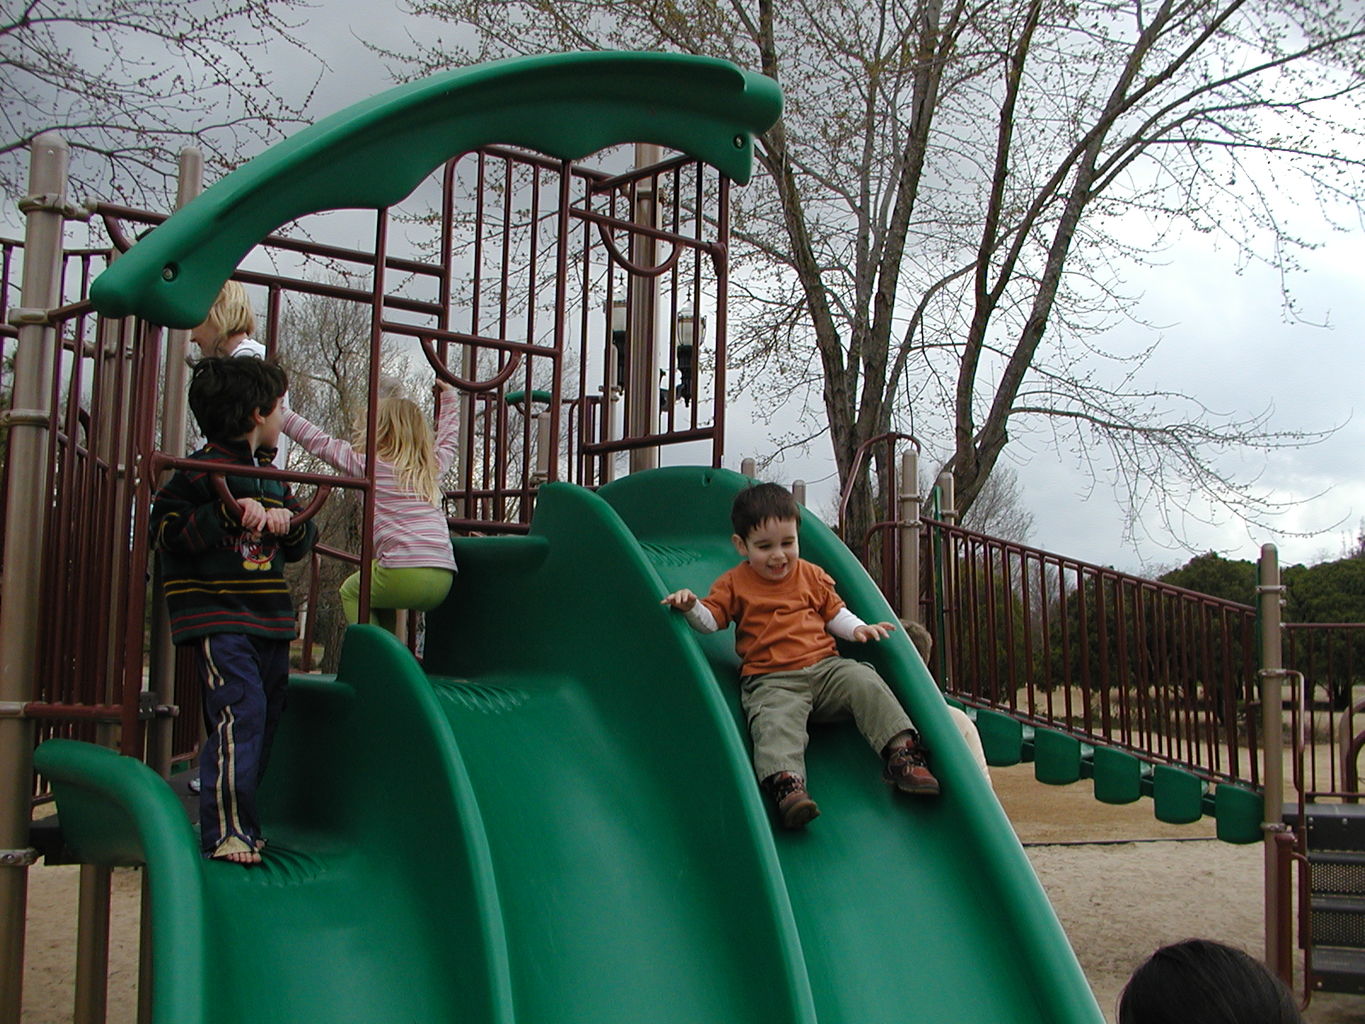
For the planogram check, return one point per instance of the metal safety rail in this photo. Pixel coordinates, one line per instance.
(1164, 672)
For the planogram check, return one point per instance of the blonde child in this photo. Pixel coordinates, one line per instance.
(413, 564)
(229, 326)
(228, 331)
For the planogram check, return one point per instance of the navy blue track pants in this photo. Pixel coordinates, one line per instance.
(243, 679)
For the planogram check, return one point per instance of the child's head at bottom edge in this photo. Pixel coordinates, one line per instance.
(1199, 981)
(231, 395)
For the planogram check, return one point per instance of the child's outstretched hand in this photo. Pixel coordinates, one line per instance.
(873, 631)
(681, 600)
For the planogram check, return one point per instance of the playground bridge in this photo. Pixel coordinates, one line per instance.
(543, 303)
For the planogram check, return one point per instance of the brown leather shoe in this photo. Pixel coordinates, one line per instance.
(788, 793)
(907, 768)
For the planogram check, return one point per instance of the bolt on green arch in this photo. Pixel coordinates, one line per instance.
(374, 153)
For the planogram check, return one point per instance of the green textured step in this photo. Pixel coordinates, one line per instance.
(1338, 970)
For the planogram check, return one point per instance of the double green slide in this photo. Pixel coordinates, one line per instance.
(557, 821)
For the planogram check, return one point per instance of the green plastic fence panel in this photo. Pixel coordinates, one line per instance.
(1002, 737)
(1177, 796)
(1056, 757)
(1118, 776)
(1238, 813)
(374, 153)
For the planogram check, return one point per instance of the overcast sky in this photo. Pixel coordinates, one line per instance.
(1225, 340)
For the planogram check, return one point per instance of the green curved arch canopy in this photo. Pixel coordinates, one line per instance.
(374, 153)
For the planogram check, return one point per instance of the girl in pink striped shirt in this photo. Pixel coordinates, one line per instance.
(413, 564)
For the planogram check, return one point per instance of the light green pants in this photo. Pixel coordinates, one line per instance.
(418, 588)
(778, 706)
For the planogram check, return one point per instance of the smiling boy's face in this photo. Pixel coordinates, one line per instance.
(771, 549)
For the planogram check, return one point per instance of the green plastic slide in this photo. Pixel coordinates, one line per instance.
(559, 823)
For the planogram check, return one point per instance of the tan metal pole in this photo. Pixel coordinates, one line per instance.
(910, 537)
(161, 667)
(26, 504)
(1269, 596)
(799, 491)
(947, 487)
(642, 404)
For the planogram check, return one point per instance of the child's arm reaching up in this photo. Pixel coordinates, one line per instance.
(847, 626)
(698, 616)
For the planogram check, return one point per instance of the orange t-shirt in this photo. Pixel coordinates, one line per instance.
(779, 624)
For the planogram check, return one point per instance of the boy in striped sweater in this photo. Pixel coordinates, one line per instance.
(223, 575)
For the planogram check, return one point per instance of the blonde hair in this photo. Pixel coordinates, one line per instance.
(230, 315)
(404, 439)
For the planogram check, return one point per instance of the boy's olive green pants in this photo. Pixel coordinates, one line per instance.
(779, 704)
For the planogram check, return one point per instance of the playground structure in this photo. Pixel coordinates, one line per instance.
(546, 297)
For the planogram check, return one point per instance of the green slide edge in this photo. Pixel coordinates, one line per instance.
(373, 153)
(117, 811)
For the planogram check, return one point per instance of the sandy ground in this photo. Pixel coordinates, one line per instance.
(1122, 884)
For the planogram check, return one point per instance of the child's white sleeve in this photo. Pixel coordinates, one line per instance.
(701, 619)
(843, 624)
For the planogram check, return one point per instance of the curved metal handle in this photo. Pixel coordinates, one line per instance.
(234, 507)
(494, 382)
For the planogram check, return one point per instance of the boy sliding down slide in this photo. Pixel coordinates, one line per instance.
(785, 611)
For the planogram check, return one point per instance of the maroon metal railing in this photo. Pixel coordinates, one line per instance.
(1328, 722)
(1115, 659)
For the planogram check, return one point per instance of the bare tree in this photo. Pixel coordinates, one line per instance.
(999, 508)
(325, 346)
(130, 82)
(952, 196)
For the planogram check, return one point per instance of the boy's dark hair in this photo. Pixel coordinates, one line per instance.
(755, 505)
(224, 392)
(1203, 982)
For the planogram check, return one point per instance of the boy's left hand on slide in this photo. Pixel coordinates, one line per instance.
(874, 631)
